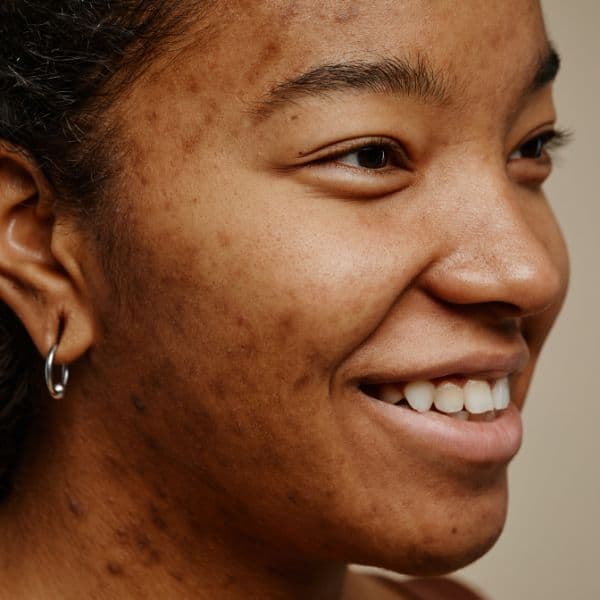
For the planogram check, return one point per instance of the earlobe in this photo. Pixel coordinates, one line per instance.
(43, 290)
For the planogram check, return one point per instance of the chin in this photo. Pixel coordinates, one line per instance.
(442, 539)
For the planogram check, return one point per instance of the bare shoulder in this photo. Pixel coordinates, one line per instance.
(362, 586)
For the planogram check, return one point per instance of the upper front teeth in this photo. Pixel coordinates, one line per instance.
(475, 397)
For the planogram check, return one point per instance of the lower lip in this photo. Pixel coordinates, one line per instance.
(478, 442)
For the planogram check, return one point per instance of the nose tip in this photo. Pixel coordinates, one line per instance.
(513, 269)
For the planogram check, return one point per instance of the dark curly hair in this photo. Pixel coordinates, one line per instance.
(62, 64)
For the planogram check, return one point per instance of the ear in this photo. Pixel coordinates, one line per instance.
(40, 277)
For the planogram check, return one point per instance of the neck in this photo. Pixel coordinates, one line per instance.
(87, 519)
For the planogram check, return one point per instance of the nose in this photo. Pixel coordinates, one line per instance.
(492, 250)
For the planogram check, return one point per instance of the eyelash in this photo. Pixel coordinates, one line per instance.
(550, 142)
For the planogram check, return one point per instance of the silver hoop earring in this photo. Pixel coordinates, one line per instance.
(57, 390)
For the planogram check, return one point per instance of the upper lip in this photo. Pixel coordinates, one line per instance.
(477, 365)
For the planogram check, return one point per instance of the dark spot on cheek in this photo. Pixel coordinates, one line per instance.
(346, 15)
(152, 556)
(138, 404)
(218, 389)
(454, 530)
(224, 239)
(151, 116)
(121, 535)
(287, 324)
(176, 576)
(114, 467)
(270, 52)
(193, 86)
(191, 142)
(75, 507)
(301, 382)
(151, 443)
(157, 518)
(293, 499)
(114, 568)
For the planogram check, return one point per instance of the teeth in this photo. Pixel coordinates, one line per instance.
(478, 396)
(476, 401)
(391, 393)
(448, 398)
(501, 394)
(419, 395)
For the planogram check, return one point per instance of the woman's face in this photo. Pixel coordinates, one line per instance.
(272, 268)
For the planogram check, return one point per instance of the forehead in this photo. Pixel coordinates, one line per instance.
(259, 43)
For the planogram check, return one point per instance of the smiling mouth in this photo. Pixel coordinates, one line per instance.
(455, 397)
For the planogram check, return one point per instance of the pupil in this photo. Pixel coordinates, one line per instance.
(372, 157)
(533, 149)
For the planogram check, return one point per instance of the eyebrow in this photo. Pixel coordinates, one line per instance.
(546, 70)
(386, 76)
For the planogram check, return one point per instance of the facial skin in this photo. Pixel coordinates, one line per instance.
(211, 438)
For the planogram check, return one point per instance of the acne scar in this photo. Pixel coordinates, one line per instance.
(157, 518)
(346, 14)
(114, 568)
(224, 239)
(75, 507)
(192, 86)
(138, 404)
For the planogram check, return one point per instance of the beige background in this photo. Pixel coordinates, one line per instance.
(550, 547)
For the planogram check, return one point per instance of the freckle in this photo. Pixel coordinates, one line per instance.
(301, 382)
(218, 388)
(176, 576)
(75, 507)
(157, 518)
(224, 239)
(114, 568)
(138, 404)
(270, 51)
(142, 541)
(454, 530)
(347, 16)
(294, 118)
(153, 557)
(286, 324)
(151, 443)
(293, 499)
(193, 86)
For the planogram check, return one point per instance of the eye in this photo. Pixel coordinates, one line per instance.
(379, 156)
(368, 157)
(539, 147)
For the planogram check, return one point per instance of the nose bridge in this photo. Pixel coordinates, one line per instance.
(493, 251)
